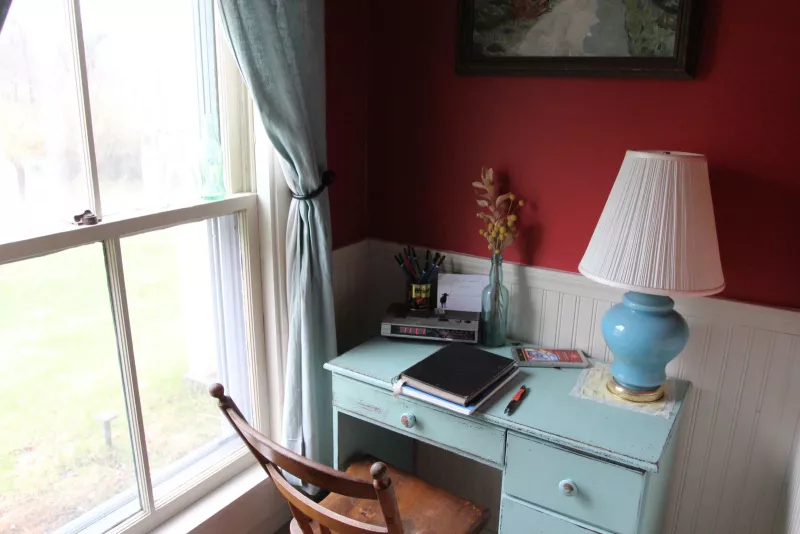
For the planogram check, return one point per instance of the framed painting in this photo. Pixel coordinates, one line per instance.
(618, 38)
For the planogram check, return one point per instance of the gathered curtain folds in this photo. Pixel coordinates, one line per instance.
(279, 46)
(4, 6)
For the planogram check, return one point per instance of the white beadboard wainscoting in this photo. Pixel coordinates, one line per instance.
(738, 461)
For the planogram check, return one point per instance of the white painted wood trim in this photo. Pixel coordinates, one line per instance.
(70, 236)
(119, 303)
(84, 104)
(274, 199)
(722, 310)
(351, 283)
(205, 484)
(247, 503)
(235, 115)
(258, 362)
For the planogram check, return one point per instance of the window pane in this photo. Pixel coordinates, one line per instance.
(65, 449)
(185, 300)
(145, 64)
(42, 173)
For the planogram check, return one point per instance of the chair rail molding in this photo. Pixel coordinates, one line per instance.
(737, 468)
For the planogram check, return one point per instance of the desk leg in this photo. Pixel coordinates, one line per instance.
(353, 437)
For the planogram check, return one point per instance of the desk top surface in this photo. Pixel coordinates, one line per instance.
(548, 412)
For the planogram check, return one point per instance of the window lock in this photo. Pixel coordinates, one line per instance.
(87, 218)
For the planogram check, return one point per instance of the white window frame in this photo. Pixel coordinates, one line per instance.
(237, 140)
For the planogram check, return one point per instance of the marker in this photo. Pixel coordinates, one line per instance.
(516, 401)
(399, 260)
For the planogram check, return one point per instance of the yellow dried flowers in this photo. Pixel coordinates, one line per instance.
(499, 215)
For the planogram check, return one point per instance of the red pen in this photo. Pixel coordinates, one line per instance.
(409, 265)
(516, 401)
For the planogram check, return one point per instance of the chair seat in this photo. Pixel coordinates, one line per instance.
(424, 509)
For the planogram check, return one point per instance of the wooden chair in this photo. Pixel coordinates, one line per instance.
(355, 505)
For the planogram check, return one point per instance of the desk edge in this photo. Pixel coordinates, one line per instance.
(631, 461)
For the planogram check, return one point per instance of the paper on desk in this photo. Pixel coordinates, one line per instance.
(591, 385)
(463, 291)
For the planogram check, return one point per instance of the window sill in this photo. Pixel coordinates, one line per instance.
(249, 502)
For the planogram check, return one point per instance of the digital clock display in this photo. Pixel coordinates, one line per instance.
(436, 333)
(413, 331)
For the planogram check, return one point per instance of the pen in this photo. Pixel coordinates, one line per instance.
(412, 265)
(427, 275)
(406, 256)
(434, 267)
(415, 261)
(399, 259)
(516, 401)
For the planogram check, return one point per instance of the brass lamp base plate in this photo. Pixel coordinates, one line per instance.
(634, 395)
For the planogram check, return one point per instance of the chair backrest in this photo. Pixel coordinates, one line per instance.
(275, 459)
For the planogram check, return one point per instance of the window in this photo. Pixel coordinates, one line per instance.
(110, 333)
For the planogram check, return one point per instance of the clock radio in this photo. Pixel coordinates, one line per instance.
(431, 325)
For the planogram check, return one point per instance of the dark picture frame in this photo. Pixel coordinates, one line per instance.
(682, 64)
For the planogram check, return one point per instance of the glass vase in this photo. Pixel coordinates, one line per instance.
(494, 306)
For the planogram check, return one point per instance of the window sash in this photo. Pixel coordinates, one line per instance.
(129, 224)
(236, 134)
(84, 105)
(130, 385)
(109, 233)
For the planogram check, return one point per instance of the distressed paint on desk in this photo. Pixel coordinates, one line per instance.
(518, 517)
(464, 435)
(606, 495)
(550, 433)
(737, 458)
(548, 413)
(356, 437)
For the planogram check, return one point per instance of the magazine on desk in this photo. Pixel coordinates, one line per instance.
(542, 357)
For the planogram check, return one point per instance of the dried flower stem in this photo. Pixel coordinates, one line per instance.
(500, 215)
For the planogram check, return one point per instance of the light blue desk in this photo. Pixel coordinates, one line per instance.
(618, 461)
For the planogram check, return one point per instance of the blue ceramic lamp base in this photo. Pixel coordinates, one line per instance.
(644, 333)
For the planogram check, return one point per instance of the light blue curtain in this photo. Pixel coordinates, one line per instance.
(279, 45)
(4, 5)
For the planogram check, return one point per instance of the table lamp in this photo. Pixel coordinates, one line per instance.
(656, 238)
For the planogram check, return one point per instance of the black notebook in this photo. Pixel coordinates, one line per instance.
(458, 372)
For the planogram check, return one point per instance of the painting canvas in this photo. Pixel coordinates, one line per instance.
(600, 37)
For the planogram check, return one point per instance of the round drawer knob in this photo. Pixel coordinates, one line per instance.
(408, 420)
(568, 487)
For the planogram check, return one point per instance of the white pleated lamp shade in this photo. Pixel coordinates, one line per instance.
(657, 234)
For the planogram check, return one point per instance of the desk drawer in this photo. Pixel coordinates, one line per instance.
(517, 518)
(606, 495)
(465, 434)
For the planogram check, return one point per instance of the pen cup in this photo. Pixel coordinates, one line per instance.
(418, 296)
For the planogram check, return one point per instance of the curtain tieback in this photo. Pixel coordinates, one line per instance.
(328, 177)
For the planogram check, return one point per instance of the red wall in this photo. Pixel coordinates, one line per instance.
(346, 73)
(561, 141)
